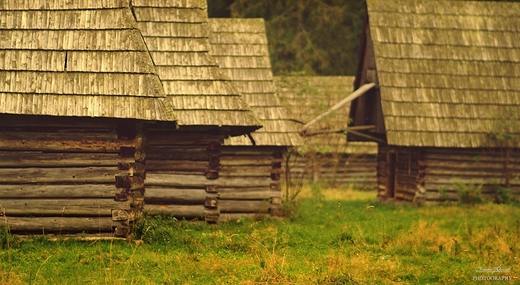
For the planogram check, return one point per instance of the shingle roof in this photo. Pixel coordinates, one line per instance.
(76, 58)
(306, 97)
(176, 33)
(449, 71)
(240, 48)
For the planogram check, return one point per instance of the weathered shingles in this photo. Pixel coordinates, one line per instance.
(240, 48)
(76, 58)
(60, 5)
(448, 73)
(176, 34)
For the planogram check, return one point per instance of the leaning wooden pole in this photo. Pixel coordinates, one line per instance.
(362, 90)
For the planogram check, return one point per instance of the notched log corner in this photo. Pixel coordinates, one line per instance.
(211, 174)
(211, 202)
(120, 215)
(129, 182)
(214, 145)
(211, 189)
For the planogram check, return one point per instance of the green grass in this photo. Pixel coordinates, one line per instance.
(334, 236)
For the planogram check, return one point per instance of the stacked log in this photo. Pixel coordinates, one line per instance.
(434, 175)
(356, 170)
(182, 174)
(250, 181)
(61, 178)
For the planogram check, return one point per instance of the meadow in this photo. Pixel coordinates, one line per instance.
(330, 236)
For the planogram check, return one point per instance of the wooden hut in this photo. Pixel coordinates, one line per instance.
(326, 156)
(446, 100)
(183, 165)
(251, 165)
(76, 86)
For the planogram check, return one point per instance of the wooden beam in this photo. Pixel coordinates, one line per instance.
(368, 137)
(356, 128)
(30, 191)
(58, 175)
(61, 207)
(179, 211)
(362, 90)
(81, 142)
(45, 225)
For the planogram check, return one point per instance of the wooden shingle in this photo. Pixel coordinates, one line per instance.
(448, 71)
(240, 48)
(77, 58)
(176, 34)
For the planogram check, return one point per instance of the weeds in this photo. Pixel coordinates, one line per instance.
(468, 194)
(333, 241)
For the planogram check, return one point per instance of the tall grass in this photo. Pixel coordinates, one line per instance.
(333, 236)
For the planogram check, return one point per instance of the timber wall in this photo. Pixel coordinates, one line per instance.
(249, 184)
(182, 174)
(66, 175)
(358, 170)
(432, 174)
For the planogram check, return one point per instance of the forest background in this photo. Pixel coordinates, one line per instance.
(316, 37)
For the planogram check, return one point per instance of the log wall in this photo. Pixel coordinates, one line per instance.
(249, 184)
(432, 174)
(69, 175)
(358, 170)
(183, 168)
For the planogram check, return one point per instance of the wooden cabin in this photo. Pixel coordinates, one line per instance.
(184, 164)
(251, 165)
(446, 100)
(325, 156)
(77, 85)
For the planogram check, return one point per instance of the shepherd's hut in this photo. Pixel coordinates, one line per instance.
(77, 84)
(184, 165)
(446, 98)
(325, 156)
(251, 165)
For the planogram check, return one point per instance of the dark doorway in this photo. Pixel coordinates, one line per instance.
(390, 174)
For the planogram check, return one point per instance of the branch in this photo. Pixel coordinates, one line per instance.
(362, 90)
(339, 131)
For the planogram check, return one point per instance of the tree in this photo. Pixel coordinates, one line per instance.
(319, 37)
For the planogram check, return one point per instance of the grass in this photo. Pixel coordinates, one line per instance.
(334, 236)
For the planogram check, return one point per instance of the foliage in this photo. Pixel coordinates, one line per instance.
(351, 240)
(468, 194)
(502, 194)
(320, 37)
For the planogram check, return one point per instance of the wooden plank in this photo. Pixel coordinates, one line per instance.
(248, 171)
(39, 159)
(244, 206)
(196, 181)
(249, 195)
(29, 191)
(61, 207)
(241, 182)
(176, 165)
(58, 175)
(227, 160)
(156, 195)
(178, 180)
(178, 153)
(182, 138)
(44, 225)
(80, 142)
(179, 211)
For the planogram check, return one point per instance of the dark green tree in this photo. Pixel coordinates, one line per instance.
(219, 8)
(319, 37)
